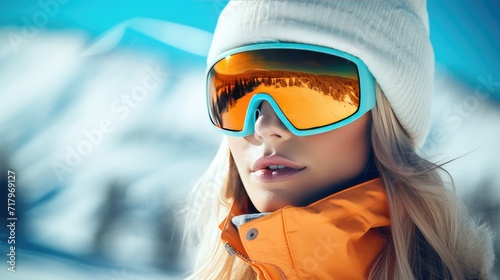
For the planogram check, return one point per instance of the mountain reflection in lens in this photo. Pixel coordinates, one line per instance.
(312, 89)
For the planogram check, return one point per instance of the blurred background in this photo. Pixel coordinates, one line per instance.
(102, 119)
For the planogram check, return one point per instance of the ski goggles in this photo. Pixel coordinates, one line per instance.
(311, 89)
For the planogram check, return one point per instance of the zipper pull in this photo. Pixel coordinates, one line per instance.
(233, 251)
(229, 249)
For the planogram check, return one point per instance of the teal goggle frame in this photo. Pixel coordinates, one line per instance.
(309, 88)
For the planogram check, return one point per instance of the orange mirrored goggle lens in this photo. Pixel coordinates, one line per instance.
(312, 89)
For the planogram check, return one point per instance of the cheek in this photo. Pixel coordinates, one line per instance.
(346, 151)
(239, 150)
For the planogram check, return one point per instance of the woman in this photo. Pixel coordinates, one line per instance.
(324, 104)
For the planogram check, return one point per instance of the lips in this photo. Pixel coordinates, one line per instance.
(275, 169)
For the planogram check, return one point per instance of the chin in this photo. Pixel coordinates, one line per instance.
(270, 198)
(272, 206)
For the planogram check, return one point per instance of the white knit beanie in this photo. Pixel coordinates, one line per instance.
(390, 36)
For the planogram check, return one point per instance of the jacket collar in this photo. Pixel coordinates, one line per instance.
(336, 237)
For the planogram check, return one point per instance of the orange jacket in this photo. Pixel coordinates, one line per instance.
(337, 237)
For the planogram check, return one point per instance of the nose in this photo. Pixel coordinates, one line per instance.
(268, 126)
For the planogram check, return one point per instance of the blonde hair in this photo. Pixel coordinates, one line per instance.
(428, 222)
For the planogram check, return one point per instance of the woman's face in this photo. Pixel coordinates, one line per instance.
(278, 168)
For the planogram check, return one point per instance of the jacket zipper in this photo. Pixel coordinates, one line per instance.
(233, 251)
